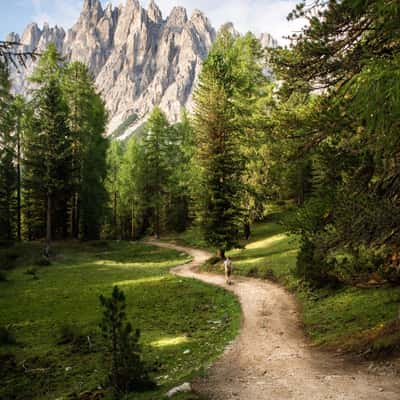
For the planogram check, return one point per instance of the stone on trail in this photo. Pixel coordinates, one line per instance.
(186, 387)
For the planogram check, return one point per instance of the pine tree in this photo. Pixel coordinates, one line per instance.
(114, 157)
(86, 120)
(8, 173)
(48, 157)
(220, 188)
(132, 184)
(158, 143)
(128, 372)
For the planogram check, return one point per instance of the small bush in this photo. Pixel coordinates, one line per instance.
(3, 277)
(269, 275)
(32, 272)
(313, 267)
(73, 335)
(68, 333)
(252, 272)
(7, 336)
(213, 260)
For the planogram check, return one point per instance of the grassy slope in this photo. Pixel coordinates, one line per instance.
(173, 314)
(349, 318)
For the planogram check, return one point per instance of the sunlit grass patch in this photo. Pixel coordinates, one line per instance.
(266, 242)
(170, 341)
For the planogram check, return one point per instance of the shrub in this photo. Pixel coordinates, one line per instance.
(313, 267)
(128, 372)
(32, 272)
(213, 260)
(252, 272)
(73, 335)
(7, 335)
(3, 277)
(269, 275)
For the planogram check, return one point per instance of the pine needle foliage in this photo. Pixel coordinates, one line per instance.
(127, 369)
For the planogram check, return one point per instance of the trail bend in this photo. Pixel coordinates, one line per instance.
(271, 358)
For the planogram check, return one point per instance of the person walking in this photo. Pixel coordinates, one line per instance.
(228, 266)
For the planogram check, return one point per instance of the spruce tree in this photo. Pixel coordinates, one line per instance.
(87, 119)
(158, 143)
(220, 189)
(114, 157)
(132, 184)
(8, 173)
(48, 157)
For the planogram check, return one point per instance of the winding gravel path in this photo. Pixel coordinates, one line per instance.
(271, 359)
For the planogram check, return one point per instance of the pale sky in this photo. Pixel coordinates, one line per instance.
(247, 15)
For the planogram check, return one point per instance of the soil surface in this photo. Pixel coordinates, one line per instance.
(271, 358)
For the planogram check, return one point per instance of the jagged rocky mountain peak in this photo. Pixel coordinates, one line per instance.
(154, 12)
(139, 59)
(177, 17)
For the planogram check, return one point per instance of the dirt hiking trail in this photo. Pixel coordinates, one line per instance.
(271, 359)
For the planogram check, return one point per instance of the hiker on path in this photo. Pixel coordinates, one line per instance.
(228, 266)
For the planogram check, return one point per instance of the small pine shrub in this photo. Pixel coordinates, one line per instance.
(128, 372)
(7, 336)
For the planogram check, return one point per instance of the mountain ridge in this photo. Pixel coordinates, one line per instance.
(138, 58)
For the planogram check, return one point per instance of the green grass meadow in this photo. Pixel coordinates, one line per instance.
(185, 324)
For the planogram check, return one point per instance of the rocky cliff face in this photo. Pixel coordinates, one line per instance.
(138, 59)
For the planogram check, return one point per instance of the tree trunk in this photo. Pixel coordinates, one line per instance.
(73, 216)
(48, 226)
(115, 215)
(247, 230)
(221, 254)
(133, 222)
(78, 216)
(157, 222)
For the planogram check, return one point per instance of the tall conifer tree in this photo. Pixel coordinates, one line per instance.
(8, 173)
